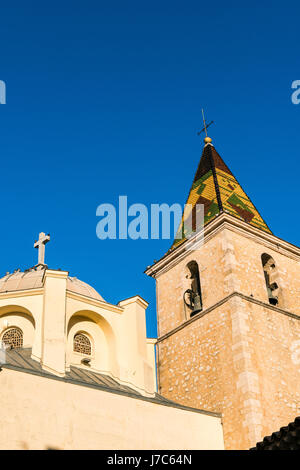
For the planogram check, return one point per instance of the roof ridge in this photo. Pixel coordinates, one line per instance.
(213, 166)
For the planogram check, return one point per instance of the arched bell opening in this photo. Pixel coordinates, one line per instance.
(271, 279)
(192, 297)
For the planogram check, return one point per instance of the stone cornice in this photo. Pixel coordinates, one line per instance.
(94, 302)
(221, 222)
(221, 302)
(151, 340)
(131, 300)
(21, 293)
(56, 274)
(72, 295)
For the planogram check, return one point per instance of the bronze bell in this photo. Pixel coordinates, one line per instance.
(273, 299)
(193, 302)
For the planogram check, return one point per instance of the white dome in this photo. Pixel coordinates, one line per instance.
(33, 279)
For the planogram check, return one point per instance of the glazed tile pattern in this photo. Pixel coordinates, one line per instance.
(217, 189)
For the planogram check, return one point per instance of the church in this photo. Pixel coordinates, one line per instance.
(78, 372)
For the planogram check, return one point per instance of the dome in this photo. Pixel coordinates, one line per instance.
(33, 279)
(79, 287)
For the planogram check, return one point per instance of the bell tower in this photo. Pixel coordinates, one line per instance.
(228, 309)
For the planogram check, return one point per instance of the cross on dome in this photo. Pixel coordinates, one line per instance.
(40, 245)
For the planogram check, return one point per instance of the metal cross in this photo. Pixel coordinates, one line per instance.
(40, 245)
(205, 126)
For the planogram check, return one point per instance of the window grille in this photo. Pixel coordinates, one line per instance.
(82, 344)
(13, 337)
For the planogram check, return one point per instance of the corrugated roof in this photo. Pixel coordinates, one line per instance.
(20, 359)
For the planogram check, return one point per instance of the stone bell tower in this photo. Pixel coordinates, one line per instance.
(228, 312)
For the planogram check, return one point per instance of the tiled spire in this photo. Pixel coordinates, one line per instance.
(217, 189)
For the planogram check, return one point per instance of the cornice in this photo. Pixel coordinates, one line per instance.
(132, 300)
(21, 293)
(94, 302)
(56, 274)
(151, 340)
(221, 302)
(221, 222)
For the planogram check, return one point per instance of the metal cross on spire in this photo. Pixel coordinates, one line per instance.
(40, 245)
(206, 126)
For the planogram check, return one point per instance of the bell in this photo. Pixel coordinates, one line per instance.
(194, 301)
(273, 299)
(197, 304)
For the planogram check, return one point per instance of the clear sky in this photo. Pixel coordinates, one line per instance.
(104, 99)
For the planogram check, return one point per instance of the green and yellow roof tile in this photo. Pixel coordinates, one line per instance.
(217, 189)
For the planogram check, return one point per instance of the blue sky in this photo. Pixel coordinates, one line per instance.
(104, 99)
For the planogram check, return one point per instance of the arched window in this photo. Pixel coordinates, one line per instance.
(270, 273)
(192, 296)
(82, 344)
(13, 337)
